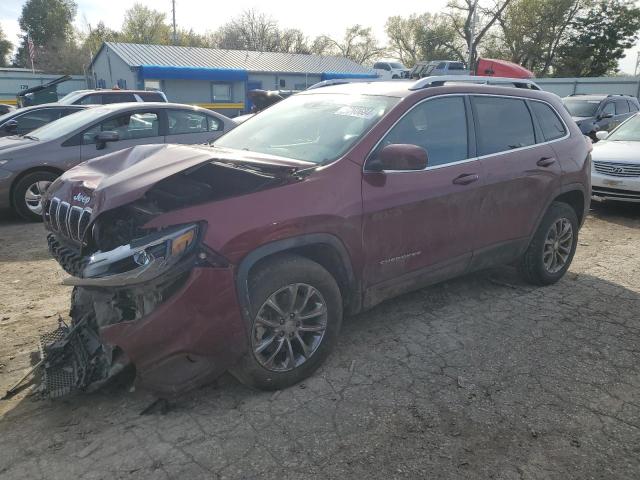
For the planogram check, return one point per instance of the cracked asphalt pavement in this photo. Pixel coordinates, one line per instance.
(480, 377)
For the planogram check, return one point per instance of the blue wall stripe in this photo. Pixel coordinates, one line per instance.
(335, 75)
(191, 73)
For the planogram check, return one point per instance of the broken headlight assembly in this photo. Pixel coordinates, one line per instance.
(141, 260)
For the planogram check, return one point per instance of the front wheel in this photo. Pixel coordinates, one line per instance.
(28, 194)
(552, 248)
(296, 314)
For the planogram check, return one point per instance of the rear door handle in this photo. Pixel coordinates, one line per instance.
(466, 179)
(546, 161)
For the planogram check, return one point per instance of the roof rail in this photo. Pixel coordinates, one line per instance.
(440, 80)
(341, 81)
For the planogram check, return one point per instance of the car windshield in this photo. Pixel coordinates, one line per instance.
(582, 108)
(629, 131)
(316, 128)
(68, 124)
(396, 65)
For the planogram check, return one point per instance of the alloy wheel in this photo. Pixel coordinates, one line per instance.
(33, 196)
(557, 245)
(289, 327)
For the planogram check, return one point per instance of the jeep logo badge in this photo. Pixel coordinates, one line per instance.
(82, 198)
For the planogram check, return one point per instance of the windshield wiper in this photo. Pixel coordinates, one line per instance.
(29, 137)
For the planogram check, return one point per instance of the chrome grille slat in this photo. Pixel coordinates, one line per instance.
(67, 220)
(617, 169)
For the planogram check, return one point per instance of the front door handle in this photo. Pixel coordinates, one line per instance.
(466, 179)
(546, 161)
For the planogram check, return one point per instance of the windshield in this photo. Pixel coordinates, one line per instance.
(396, 65)
(68, 124)
(629, 131)
(316, 128)
(582, 108)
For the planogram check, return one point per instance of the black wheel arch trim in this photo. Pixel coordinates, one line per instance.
(353, 300)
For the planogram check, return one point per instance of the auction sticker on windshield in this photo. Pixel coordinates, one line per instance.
(356, 111)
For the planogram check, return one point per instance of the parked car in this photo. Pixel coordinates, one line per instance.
(616, 163)
(29, 163)
(4, 108)
(391, 70)
(438, 67)
(597, 112)
(243, 256)
(25, 120)
(103, 97)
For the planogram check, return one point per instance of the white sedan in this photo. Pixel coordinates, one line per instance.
(615, 174)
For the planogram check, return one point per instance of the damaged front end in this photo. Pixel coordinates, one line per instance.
(158, 299)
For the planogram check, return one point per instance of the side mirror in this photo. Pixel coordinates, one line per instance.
(602, 116)
(602, 135)
(107, 136)
(11, 126)
(399, 156)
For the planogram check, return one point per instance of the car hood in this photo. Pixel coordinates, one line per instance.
(124, 176)
(15, 143)
(616, 151)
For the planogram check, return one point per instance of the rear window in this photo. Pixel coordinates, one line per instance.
(550, 124)
(118, 97)
(502, 124)
(151, 96)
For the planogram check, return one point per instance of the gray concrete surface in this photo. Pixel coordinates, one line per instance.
(483, 377)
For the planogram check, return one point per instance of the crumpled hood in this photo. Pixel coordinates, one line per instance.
(616, 151)
(126, 175)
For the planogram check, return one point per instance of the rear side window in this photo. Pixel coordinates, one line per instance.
(550, 124)
(622, 107)
(185, 121)
(93, 99)
(502, 124)
(456, 66)
(439, 126)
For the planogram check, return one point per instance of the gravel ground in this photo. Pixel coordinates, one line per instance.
(481, 377)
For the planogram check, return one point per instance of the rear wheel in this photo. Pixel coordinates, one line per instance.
(28, 194)
(552, 248)
(296, 314)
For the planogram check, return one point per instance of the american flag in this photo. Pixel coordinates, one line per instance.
(32, 48)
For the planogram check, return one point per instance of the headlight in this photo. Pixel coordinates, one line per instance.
(139, 261)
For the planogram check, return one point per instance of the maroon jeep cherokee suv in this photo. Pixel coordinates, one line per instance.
(189, 261)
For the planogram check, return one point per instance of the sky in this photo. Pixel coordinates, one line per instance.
(329, 17)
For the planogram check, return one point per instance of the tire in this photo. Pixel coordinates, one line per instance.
(35, 182)
(275, 280)
(536, 265)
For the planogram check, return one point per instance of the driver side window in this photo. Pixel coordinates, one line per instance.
(439, 126)
(128, 126)
(609, 108)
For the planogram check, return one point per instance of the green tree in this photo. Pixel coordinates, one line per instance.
(94, 37)
(472, 20)
(50, 25)
(144, 25)
(598, 39)
(533, 30)
(358, 44)
(5, 49)
(423, 37)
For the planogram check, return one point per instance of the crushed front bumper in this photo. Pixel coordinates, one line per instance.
(178, 334)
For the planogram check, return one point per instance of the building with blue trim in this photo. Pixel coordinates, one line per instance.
(214, 78)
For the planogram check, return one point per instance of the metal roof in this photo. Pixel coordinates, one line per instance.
(136, 55)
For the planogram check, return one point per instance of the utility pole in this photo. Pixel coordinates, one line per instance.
(173, 11)
(637, 69)
(472, 29)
